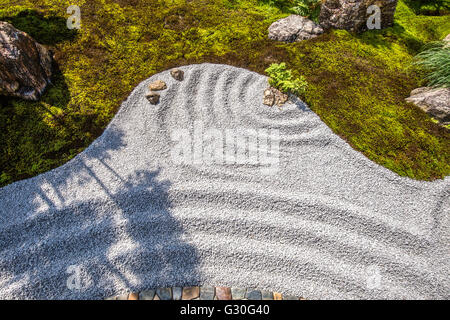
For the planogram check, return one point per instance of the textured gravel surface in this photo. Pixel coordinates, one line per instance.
(125, 215)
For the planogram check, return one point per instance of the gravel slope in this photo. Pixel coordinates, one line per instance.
(328, 224)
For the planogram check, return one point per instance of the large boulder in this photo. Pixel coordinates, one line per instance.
(25, 65)
(434, 101)
(352, 15)
(294, 28)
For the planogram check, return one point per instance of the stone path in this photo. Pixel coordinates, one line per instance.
(204, 293)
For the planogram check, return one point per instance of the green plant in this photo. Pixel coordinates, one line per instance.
(307, 8)
(282, 79)
(435, 59)
(435, 5)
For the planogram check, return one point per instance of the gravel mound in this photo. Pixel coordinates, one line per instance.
(319, 221)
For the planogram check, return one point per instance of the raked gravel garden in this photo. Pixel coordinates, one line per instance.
(296, 155)
(136, 211)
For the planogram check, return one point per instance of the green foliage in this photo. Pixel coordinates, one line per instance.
(435, 59)
(356, 84)
(435, 5)
(282, 79)
(307, 8)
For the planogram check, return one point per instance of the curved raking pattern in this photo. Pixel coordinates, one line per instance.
(123, 216)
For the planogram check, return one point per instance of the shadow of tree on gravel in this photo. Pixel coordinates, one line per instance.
(122, 238)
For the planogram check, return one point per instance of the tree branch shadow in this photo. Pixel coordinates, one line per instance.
(122, 238)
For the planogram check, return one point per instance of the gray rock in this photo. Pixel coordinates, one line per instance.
(289, 297)
(152, 97)
(434, 101)
(177, 292)
(238, 293)
(147, 295)
(294, 28)
(352, 15)
(177, 74)
(207, 293)
(164, 293)
(253, 295)
(25, 65)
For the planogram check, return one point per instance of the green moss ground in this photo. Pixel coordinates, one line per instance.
(357, 83)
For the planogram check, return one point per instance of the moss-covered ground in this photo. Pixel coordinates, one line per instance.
(358, 83)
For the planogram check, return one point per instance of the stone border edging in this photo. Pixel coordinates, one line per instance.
(204, 293)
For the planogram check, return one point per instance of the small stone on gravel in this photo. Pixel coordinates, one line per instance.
(177, 74)
(152, 97)
(269, 97)
(274, 96)
(157, 85)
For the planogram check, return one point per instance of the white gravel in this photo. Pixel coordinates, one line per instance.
(123, 216)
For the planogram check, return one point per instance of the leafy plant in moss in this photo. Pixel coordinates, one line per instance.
(281, 78)
(435, 59)
(435, 5)
(307, 8)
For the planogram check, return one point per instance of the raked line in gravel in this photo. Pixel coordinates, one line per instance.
(311, 217)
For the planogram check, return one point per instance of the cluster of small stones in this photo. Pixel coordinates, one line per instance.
(204, 293)
(158, 85)
(274, 96)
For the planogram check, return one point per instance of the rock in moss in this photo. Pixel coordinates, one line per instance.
(435, 102)
(294, 28)
(25, 65)
(352, 15)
